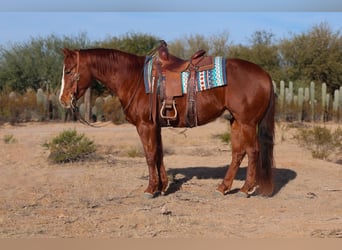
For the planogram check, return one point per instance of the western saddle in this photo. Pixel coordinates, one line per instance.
(168, 69)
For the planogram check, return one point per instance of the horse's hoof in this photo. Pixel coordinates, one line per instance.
(248, 194)
(243, 194)
(164, 191)
(219, 192)
(148, 195)
(151, 196)
(222, 189)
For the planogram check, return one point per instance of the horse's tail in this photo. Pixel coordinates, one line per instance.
(266, 141)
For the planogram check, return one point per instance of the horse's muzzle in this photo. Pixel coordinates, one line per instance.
(65, 103)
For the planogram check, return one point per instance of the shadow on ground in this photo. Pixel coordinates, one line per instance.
(282, 176)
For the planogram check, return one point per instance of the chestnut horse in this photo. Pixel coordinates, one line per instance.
(248, 96)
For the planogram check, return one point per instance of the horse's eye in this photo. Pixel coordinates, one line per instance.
(67, 71)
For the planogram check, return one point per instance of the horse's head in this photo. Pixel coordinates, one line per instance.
(75, 80)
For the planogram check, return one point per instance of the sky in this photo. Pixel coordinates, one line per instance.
(22, 20)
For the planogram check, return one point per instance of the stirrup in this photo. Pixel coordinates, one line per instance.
(166, 116)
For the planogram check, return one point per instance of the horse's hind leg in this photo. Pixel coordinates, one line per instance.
(238, 153)
(252, 150)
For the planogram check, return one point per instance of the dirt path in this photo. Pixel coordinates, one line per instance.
(104, 198)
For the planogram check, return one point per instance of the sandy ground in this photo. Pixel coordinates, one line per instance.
(103, 197)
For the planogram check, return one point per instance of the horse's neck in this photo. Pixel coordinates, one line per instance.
(124, 77)
(120, 73)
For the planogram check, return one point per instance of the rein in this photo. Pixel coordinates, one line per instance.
(76, 78)
(75, 110)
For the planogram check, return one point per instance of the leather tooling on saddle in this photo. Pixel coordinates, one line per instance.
(175, 77)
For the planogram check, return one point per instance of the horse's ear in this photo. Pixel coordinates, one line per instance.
(66, 51)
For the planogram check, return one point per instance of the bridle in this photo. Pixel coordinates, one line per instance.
(75, 78)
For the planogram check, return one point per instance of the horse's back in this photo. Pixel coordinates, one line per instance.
(242, 70)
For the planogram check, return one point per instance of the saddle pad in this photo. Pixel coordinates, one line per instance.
(208, 79)
(148, 74)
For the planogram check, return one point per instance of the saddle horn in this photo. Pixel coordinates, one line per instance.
(163, 43)
(163, 51)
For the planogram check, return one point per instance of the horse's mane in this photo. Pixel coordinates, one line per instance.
(105, 59)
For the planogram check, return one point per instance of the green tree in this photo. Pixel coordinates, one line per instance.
(177, 48)
(135, 43)
(190, 44)
(214, 45)
(262, 51)
(36, 63)
(314, 56)
(219, 44)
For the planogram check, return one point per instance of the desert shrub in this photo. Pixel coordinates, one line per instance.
(225, 137)
(134, 152)
(29, 105)
(70, 146)
(337, 136)
(10, 107)
(9, 138)
(320, 141)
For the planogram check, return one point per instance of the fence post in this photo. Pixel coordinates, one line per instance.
(336, 105)
(87, 105)
(290, 93)
(340, 105)
(312, 100)
(42, 102)
(328, 107)
(324, 103)
(274, 87)
(300, 104)
(281, 99)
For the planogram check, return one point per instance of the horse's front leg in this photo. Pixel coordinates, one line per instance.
(162, 175)
(151, 141)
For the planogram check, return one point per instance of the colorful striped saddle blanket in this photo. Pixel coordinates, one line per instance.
(206, 79)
